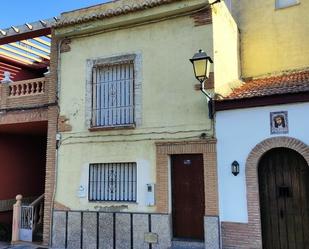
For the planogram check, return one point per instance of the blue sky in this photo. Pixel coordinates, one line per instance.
(17, 12)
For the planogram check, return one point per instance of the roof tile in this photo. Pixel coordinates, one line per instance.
(286, 83)
(99, 12)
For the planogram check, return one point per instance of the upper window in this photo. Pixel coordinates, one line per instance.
(112, 182)
(285, 3)
(113, 94)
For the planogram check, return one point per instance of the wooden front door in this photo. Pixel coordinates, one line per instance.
(188, 203)
(284, 199)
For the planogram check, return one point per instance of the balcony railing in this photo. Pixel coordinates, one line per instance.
(26, 93)
(27, 87)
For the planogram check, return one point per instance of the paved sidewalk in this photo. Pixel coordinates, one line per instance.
(4, 245)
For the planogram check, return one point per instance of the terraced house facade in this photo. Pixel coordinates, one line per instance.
(135, 157)
(135, 132)
(261, 128)
(28, 123)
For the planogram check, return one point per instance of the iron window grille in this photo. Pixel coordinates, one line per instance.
(113, 94)
(112, 182)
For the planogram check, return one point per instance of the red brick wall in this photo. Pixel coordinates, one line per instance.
(202, 17)
(52, 116)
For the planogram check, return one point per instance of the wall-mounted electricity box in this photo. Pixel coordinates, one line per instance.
(150, 194)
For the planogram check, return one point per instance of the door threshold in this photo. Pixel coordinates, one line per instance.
(187, 240)
(187, 244)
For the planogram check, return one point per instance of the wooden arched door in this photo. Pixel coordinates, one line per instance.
(284, 199)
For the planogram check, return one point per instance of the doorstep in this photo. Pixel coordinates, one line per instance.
(184, 244)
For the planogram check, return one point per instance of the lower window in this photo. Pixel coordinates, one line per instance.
(112, 182)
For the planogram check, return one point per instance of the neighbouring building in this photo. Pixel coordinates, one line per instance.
(28, 117)
(136, 162)
(262, 129)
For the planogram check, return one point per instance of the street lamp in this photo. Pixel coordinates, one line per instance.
(201, 66)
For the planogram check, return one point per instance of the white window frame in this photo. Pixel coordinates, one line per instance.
(137, 91)
(280, 5)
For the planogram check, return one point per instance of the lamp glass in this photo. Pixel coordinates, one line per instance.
(235, 168)
(200, 69)
(208, 68)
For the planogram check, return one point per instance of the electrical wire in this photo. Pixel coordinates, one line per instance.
(134, 140)
(135, 134)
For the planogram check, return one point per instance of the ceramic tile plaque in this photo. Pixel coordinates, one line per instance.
(279, 122)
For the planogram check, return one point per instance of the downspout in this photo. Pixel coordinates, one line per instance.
(58, 139)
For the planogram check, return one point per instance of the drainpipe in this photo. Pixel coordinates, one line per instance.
(58, 139)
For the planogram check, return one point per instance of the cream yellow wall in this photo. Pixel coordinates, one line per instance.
(171, 108)
(272, 40)
(226, 50)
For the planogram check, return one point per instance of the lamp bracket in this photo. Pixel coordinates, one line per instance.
(208, 95)
(210, 101)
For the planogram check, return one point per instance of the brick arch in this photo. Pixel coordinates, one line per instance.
(253, 202)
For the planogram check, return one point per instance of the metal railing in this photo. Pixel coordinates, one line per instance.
(26, 217)
(31, 218)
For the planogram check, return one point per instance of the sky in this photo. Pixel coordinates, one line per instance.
(18, 12)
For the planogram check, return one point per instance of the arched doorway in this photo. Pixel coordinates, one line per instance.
(284, 199)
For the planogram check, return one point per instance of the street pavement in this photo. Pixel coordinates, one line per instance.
(20, 246)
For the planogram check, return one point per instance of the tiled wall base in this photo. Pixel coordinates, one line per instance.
(91, 230)
(101, 230)
(212, 233)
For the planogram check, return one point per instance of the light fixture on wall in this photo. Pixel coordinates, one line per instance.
(235, 168)
(201, 66)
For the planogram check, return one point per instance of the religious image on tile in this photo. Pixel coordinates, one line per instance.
(279, 122)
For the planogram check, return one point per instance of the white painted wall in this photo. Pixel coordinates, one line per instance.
(238, 132)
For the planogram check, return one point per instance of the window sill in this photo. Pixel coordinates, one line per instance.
(111, 128)
(115, 202)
